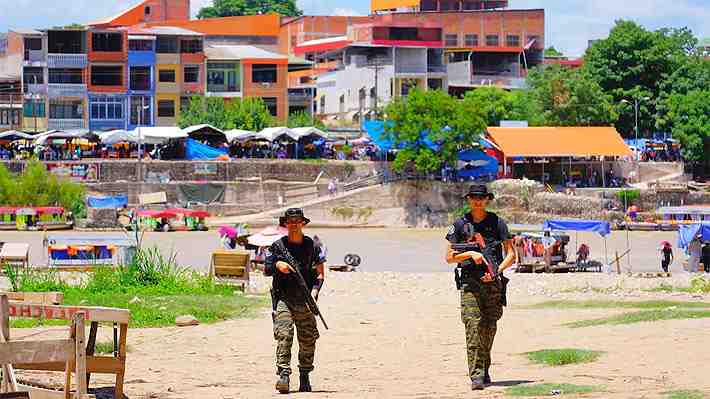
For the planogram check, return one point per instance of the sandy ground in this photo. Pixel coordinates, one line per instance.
(414, 250)
(399, 335)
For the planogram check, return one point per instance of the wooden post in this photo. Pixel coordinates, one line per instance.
(91, 346)
(80, 341)
(618, 264)
(8, 372)
(118, 393)
(67, 365)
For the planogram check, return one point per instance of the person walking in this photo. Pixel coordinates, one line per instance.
(706, 257)
(695, 251)
(289, 301)
(482, 287)
(666, 256)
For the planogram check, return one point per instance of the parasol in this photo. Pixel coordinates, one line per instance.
(267, 236)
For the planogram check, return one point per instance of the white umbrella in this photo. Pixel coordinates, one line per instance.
(118, 136)
(308, 131)
(272, 133)
(267, 236)
(239, 135)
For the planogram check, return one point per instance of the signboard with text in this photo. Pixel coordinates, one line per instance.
(80, 172)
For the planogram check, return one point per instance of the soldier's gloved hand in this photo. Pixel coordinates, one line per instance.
(487, 278)
(283, 267)
(314, 294)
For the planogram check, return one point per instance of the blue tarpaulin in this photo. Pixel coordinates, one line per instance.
(115, 202)
(596, 226)
(686, 233)
(376, 131)
(197, 150)
(478, 164)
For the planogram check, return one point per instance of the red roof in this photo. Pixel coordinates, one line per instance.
(49, 210)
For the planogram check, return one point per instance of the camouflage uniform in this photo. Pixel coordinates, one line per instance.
(284, 319)
(289, 305)
(481, 303)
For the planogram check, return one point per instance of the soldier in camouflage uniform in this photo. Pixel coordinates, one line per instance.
(481, 292)
(289, 300)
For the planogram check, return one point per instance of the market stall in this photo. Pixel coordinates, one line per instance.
(72, 251)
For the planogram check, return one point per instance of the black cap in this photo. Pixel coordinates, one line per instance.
(293, 213)
(479, 190)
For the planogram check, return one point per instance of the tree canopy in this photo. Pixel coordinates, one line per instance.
(552, 52)
(247, 114)
(424, 118)
(304, 119)
(632, 63)
(230, 8)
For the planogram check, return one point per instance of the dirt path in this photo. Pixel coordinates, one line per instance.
(397, 335)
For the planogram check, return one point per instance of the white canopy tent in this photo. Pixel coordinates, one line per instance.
(41, 139)
(273, 133)
(158, 135)
(15, 133)
(192, 129)
(308, 131)
(118, 136)
(240, 135)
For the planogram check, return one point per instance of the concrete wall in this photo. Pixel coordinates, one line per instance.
(347, 82)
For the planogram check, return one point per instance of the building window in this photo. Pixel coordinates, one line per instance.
(191, 46)
(471, 40)
(166, 45)
(166, 76)
(223, 77)
(492, 40)
(140, 110)
(341, 105)
(140, 45)
(32, 76)
(34, 109)
(33, 49)
(166, 109)
(512, 41)
(66, 76)
(146, 10)
(435, 84)
(66, 110)
(451, 40)
(140, 78)
(428, 5)
(106, 108)
(105, 41)
(107, 75)
(191, 74)
(271, 105)
(263, 73)
(322, 104)
(449, 5)
(9, 117)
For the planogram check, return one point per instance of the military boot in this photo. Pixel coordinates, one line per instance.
(305, 383)
(282, 384)
(477, 384)
(487, 377)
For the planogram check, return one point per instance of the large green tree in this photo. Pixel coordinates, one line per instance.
(425, 117)
(497, 105)
(230, 8)
(633, 62)
(688, 115)
(568, 97)
(304, 119)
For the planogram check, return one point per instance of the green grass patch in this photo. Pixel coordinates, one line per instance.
(641, 316)
(685, 394)
(668, 288)
(153, 288)
(548, 389)
(601, 304)
(561, 357)
(106, 348)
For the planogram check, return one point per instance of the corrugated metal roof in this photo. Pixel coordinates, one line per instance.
(26, 31)
(216, 52)
(171, 31)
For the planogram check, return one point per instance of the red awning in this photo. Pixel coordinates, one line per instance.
(189, 212)
(49, 210)
(4, 210)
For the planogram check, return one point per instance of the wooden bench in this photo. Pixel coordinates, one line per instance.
(231, 266)
(71, 353)
(15, 253)
(49, 358)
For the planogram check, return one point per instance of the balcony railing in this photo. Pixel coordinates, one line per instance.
(66, 90)
(223, 88)
(436, 68)
(36, 88)
(414, 69)
(35, 56)
(10, 99)
(67, 61)
(60, 124)
(508, 82)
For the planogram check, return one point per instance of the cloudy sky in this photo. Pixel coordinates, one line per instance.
(570, 23)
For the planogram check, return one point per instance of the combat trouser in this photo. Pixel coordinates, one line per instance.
(285, 317)
(481, 308)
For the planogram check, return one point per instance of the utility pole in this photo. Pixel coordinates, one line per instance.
(376, 64)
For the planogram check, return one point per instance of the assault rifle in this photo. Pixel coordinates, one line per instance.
(294, 266)
(491, 265)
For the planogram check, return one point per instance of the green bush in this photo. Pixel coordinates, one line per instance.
(699, 285)
(37, 187)
(628, 196)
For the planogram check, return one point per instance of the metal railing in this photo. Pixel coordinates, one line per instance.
(67, 60)
(59, 124)
(499, 81)
(35, 56)
(56, 90)
(404, 68)
(436, 68)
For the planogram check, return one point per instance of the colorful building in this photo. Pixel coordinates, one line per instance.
(141, 66)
